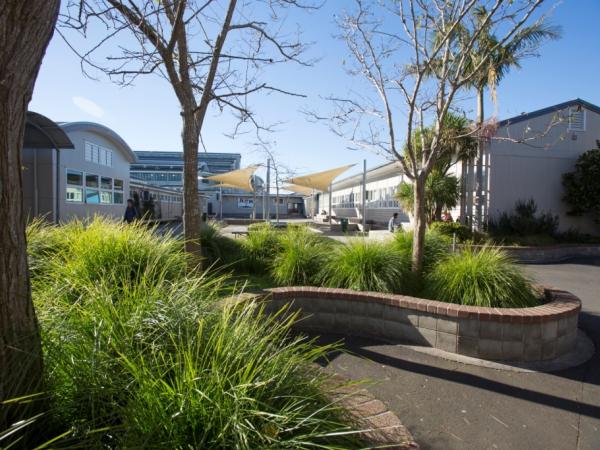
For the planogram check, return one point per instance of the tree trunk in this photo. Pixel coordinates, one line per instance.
(192, 220)
(419, 216)
(26, 29)
(479, 171)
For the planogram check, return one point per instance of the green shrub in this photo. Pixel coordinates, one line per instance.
(524, 221)
(365, 265)
(260, 246)
(122, 256)
(437, 247)
(462, 232)
(218, 250)
(300, 259)
(160, 360)
(480, 277)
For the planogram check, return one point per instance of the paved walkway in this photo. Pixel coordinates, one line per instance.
(449, 405)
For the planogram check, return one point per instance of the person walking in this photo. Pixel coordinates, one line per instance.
(130, 212)
(394, 224)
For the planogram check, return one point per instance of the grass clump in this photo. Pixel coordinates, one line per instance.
(483, 277)
(365, 265)
(437, 247)
(260, 247)
(158, 359)
(300, 259)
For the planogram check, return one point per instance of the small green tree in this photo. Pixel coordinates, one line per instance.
(441, 192)
(582, 187)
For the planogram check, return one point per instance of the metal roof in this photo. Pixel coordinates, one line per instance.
(550, 109)
(103, 131)
(41, 132)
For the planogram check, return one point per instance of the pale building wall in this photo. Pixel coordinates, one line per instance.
(75, 159)
(534, 169)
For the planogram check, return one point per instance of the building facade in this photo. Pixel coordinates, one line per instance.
(381, 187)
(161, 168)
(91, 177)
(527, 158)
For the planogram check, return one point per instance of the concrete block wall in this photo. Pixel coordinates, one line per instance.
(500, 334)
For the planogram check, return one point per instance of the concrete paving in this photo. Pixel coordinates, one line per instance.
(449, 405)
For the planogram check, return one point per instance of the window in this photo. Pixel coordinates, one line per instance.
(91, 181)
(74, 194)
(106, 197)
(118, 184)
(74, 177)
(106, 183)
(92, 196)
(97, 154)
(118, 198)
(577, 119)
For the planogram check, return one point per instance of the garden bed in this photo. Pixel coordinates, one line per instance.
(537, 333)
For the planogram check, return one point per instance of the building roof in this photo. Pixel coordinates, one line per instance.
(550, 109)
(103, 131)
(41, 132)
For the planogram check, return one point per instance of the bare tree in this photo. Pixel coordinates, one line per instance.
(210, 52)
(26, 29)
(415, 56)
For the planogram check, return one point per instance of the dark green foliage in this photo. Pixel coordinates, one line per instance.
(365, 265)
(524, 221)
(582, 187)
(219, 250)
(462, 232)
(441, 192)
(157, 359)
(480, 277)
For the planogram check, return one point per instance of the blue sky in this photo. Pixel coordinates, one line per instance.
(147, 114)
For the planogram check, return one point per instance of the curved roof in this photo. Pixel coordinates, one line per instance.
(549, 109)
(41, 132)
(103, 131)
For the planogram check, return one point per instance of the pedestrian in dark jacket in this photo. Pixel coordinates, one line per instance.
(130, 212)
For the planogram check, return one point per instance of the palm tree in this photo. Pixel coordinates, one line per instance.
(504, 58)
(442, 190)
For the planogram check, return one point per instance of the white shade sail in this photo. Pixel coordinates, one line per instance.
(241, 178)
(319, 181)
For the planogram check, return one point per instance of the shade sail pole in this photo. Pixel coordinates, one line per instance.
(330, 210)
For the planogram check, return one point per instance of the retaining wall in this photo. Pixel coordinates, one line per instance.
(502, 334)
(552, 253)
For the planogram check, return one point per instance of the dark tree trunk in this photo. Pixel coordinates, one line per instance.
(192, 218)
(419, 216)
(25, 30)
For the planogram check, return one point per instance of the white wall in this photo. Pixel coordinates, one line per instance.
(519, 171)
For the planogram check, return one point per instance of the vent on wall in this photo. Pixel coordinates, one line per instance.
(577, 119)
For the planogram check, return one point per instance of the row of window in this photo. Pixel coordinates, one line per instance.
(155, 177)
(85, 187)
(376, 198)
(98, 154)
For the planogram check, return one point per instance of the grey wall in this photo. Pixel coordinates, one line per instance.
(534, 169)
(75, 159)
(39, 165)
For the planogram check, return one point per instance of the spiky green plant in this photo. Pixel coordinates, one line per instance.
(365, 265)
(219, 250)
(437, 247)
(482, 277)
(161, 360)
(301, 256)
(260, 247)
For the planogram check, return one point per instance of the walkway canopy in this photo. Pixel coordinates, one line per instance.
(319, 181)
(240, 179)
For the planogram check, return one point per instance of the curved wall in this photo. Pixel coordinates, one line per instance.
(502, 334)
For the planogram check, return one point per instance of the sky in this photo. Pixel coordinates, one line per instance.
(147, 115)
